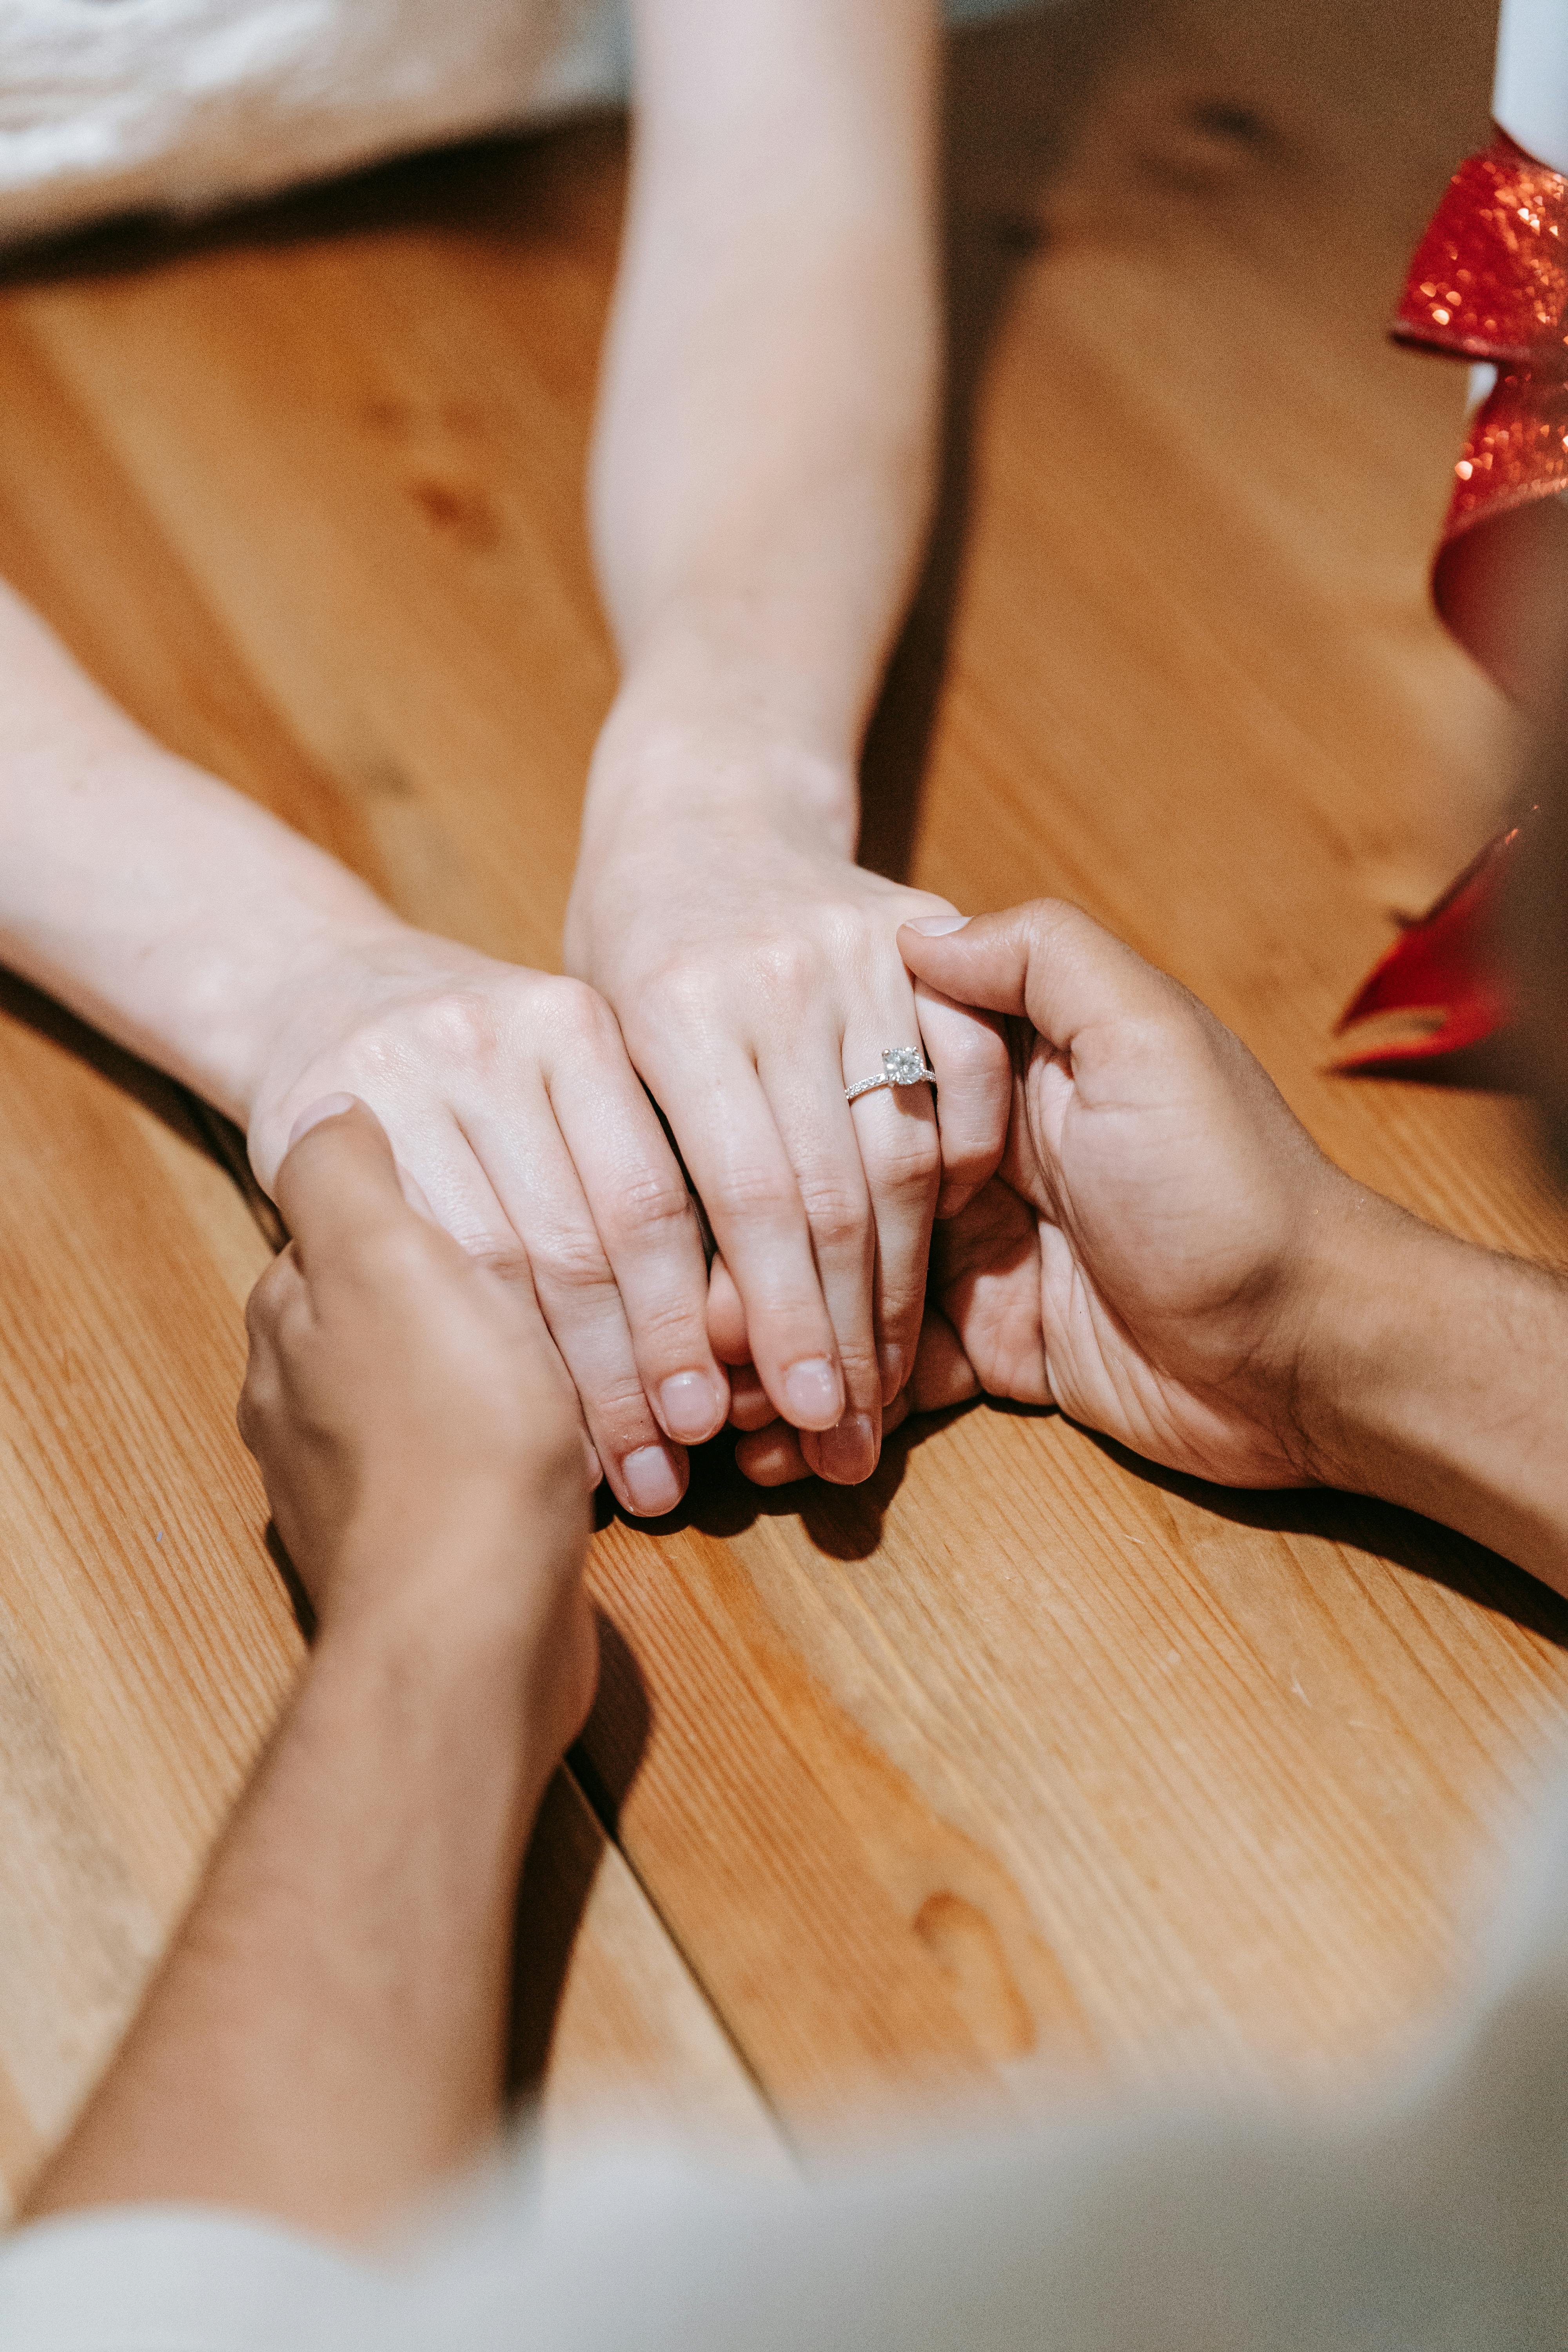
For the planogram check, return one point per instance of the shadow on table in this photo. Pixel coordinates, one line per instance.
(1388, 1532)
(844, 1522)
(1014, 92)
(563, 1859)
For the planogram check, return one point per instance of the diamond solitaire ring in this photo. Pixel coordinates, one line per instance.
(902, 1065)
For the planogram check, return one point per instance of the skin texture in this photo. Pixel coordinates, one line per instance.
(1162, 1252)
(325, 2037)
(1166, 1257)
(755, 582)
(761, 483)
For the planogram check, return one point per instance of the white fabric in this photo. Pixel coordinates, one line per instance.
(113, 105)
(119, 105)
(1529, 94)
(1433, 2218)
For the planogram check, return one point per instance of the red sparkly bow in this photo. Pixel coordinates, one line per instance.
(1490, 281)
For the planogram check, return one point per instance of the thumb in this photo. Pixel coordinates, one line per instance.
(1047, 961)
(338, 1180)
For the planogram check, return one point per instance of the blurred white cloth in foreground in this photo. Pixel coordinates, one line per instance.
(1433, 2219)
(117, 106)
(110, 105)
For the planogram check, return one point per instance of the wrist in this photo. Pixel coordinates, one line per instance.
(478, 1608)
(1429, 1382)
(1360, 1347)
(731, 738)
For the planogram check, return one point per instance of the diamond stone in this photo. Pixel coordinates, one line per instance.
(905, 1065)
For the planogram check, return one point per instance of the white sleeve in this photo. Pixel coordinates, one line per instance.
(149, 2278)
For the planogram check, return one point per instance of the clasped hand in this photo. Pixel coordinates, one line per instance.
(1144, 1236)
(1162, 1247)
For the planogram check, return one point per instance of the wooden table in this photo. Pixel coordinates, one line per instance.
(1025, 1763)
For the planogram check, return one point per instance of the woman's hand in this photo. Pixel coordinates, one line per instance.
(517, 1123)
(1164, 1251)
(755, 975)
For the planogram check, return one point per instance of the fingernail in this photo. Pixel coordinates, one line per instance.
(688, 1407)
(813, 1395)
(936, 926)
(849, 1454)
(891, 1361)
(650, 1482)
(330, 1107)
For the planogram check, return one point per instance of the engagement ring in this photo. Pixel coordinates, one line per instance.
(902, 1065)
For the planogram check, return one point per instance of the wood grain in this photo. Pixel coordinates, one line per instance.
(1025, 1762)
(146, 1642)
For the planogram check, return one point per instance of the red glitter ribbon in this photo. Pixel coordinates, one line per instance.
(1490, 281)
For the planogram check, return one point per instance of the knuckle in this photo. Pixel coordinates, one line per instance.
(686, 990)
(503, 1256)
(839, 1215)
(571, 1260)
(910, 1162)
(461, 1025)
(667, 1331)
(785, 970)
(652, 1206)
(580, 1017)
(745, 1194)
(975, 1055)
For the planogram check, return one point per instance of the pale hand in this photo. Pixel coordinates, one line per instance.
(756, 976)
(518, 1124)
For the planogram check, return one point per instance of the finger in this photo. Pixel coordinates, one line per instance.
(581, 1302)
(896, 1130)
(774, 1456)
(727, 1318)
(1047, 960)
(986, 1274)
(771, 1453)
(752, 1198)
(943, 1374)
(825, 1153)
(973, 1093)
(338, 1180)
(647, 1222)
(750, 1407)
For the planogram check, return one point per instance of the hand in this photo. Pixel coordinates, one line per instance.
(516, 1118)
(1160, 1251)
(416, 1433)
(756, 975)
(1165, 1258)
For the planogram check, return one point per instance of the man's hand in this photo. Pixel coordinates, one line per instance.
(512, 1108)
(1155, 1254)
(325, 2037)
(417, 1431)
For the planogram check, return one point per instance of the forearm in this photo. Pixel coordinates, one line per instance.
(326, 2036)
(762, 466)
(165, 909)
(1441, 1382)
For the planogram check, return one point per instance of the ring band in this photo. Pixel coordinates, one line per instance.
(902, 1065)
